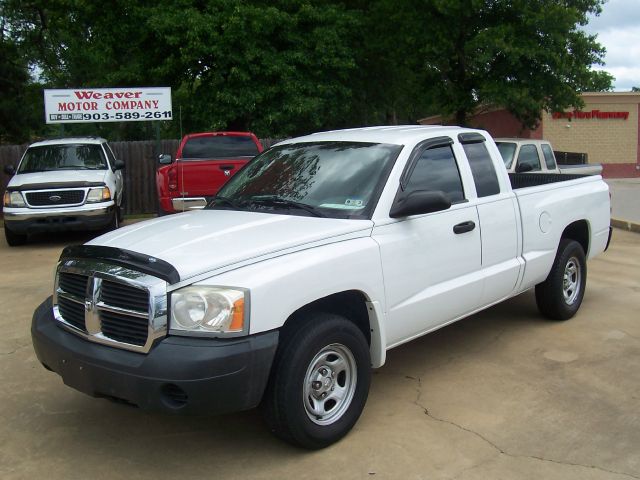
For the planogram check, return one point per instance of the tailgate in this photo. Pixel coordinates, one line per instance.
(203, 178)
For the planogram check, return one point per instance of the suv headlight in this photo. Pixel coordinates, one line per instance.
(205, 309)
(101, 194)
(13, 199)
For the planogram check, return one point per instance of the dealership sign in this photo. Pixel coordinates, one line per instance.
(80, 105)
(589, 115)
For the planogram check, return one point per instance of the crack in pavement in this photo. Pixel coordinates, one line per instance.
(499, 449)
(11, 352)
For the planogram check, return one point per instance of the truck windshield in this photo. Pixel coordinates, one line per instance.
(507, 149)
(219, 147)
(63, 157)
(329, 179)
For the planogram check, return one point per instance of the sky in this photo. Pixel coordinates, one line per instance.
(618, 30)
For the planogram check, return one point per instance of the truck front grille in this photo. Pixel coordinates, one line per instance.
(55, 197)
(124, 328)
(72, 312)
(123, 296)
(111, 304)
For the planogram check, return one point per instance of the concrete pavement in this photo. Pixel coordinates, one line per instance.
(503, 394)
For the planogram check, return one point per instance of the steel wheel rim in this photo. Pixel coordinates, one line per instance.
(330, 384)
(571, 281)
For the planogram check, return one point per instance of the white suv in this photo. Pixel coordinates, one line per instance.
(63, 184)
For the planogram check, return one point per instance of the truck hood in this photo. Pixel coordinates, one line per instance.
(202, 241)
(58, 177)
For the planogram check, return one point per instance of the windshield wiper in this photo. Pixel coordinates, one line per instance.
(284, 202)
(228, 201)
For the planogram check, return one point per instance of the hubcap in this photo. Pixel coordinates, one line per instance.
(571, 281)
(329, 384)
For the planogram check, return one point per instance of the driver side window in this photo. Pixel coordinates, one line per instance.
(436, 169)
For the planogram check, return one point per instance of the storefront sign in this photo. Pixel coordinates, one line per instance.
(107, 105)
(579, 114)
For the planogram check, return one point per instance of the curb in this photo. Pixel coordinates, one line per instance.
(625, 225)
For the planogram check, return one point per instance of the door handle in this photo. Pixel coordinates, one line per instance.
(464, 227)
(227, 167)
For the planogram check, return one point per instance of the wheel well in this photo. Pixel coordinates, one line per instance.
(578, 231)
(350, 304)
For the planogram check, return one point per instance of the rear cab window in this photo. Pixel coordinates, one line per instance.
(528, 156)
(549, 158)
(481, 164)
(507, 151)
(219, 147)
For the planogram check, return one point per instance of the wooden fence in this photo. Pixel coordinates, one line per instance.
(139, 173)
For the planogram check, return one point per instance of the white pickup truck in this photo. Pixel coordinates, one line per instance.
(63, 184)
(525, 155)
(320, 255)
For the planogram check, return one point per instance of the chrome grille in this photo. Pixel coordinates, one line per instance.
(55, 197)
(74, 284)
(123, 296)
(72, 312)
(124, 328)
(110, 304)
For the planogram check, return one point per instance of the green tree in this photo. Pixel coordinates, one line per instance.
(525, 55)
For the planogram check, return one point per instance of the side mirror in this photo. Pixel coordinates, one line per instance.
(523, 167)
(9, 169)
(420, 202)
(118, 165)
(164, 159)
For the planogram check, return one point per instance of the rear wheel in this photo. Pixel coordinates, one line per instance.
(319, 383)
(14, 239)
(559, 297)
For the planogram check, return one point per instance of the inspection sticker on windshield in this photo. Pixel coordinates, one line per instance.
(350, 202)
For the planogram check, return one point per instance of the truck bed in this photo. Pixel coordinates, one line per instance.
(524, 180)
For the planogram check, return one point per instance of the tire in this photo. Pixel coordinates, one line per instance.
(14, 239)
(559, 297)
(121, 211)
(115, 220)
(325, 354)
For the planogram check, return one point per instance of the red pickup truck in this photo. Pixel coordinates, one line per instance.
(204, 162)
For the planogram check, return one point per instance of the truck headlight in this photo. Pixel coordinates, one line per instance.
(13, 199)
(205, 309)
(101, 194)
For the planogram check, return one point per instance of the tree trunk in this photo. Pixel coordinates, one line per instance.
(461, 118)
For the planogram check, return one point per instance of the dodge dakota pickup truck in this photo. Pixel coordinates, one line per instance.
(203, 163)
(319, 256)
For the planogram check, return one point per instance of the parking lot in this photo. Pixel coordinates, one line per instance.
(503, 394)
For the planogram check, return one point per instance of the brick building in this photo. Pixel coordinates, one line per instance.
(607, 129)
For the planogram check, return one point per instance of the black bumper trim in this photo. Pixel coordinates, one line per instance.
(179, 375)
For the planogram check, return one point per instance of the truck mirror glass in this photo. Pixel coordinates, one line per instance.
(118, 165)
(164, 159)
(9, 169)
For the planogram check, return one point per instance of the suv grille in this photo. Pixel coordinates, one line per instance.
(57, 197)
(123, 296)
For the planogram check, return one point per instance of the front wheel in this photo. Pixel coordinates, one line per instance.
(14, 239)
(319, 383)
(559, 297)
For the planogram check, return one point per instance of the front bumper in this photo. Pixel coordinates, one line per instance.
(31, 220)
(179, 374)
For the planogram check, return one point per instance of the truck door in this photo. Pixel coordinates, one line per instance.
(431, 262)
(499, 218)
